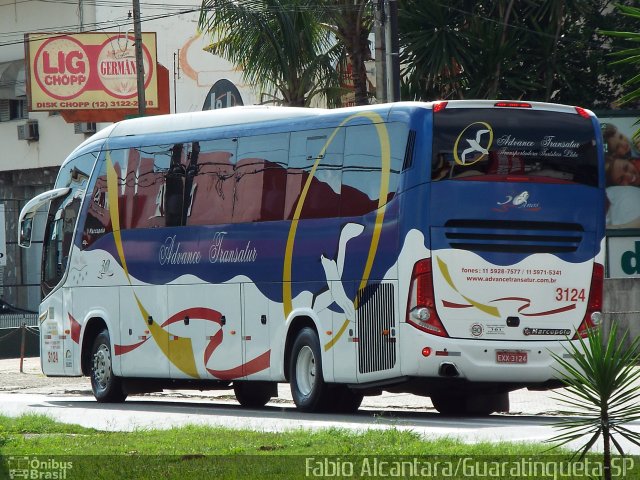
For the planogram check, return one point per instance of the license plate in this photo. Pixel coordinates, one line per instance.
(508, 356)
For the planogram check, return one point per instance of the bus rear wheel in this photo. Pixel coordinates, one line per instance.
(308, 389)
(106, 387)
(345, 400)
(471, 403)
(254, 394)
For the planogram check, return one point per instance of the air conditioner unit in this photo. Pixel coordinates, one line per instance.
(28, 131)
(84, 127)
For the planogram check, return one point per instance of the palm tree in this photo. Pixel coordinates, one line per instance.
(601, 379)
(351, 21)
(508, 49)
(628, 56)
(279, 44)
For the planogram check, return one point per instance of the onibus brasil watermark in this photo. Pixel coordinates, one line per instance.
(463, 467)
(34, 468)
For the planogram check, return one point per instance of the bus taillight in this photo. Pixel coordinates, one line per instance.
(439, 106)
(421, 308)
(593, 315)
(512, 104)
(582, 112)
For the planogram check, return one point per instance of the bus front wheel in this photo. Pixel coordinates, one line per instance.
(308, 389)
(106, 387)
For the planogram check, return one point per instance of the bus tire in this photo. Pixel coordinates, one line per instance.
(106, 387)
(450, 404)
(345, 400)
(308, 389)
(471, 404)
(254, 394)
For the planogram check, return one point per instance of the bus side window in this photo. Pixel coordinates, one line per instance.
(323, 196)
(261, 175)
(364, 171)
(174, 188)
(209, 188)
(146, 187)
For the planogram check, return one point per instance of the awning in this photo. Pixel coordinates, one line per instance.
(12, 80)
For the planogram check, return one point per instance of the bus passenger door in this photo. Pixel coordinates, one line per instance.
(205, 331)
(255, 333)
(144, 341)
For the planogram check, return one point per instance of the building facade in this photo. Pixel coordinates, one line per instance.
(34, 144)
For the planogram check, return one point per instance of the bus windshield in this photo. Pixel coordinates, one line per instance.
(497, 144)
(63, 213)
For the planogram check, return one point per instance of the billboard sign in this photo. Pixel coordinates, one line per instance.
(89, 71)
(623, 257)
(622, 169)
(223, 94)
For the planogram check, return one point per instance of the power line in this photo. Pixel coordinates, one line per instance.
(97, 27)
(179, 10)
(101, 26)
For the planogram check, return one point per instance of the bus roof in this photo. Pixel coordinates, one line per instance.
(262, 113)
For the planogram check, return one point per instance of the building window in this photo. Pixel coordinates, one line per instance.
(13, 110)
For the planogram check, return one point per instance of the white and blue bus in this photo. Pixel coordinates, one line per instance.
(446, 249)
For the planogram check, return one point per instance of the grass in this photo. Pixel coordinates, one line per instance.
(213, 452)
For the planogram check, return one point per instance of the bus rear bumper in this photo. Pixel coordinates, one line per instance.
(530, 362)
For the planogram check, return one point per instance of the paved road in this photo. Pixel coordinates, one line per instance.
(69, 400)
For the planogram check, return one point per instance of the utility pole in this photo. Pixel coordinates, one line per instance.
(392, 45)
(137, 32)
(81, 15)
(381, 63)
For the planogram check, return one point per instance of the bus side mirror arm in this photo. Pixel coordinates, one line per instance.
(25, 221)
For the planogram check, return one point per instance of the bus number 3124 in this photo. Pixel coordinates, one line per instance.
(570, 295)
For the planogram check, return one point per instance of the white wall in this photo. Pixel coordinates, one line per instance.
(199, 70)
(18, 17)
(56, 141)
(56, 137)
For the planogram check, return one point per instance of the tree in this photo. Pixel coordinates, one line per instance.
(351, 21)
(279, 44)
(628, 57)
(601, 379)
(540, 50)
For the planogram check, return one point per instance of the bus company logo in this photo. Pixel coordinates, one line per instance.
(477, 330)
(171, 253)
(546, 331)
(219, 254)
(520, 201)
(473, 143)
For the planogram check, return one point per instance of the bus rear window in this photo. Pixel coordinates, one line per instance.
(514, 145)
